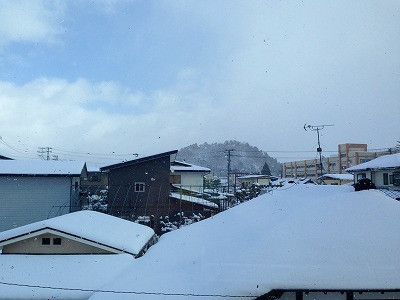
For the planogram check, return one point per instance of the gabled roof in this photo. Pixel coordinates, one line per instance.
(41, 167)
(179, 166)
(138, 160)
(391, 161)
(89, 226)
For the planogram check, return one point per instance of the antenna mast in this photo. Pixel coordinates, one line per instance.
(317, 128)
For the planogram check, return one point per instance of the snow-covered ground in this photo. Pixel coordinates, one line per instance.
(302, 237)
(297, 237)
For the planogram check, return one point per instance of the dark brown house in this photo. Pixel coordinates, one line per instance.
(140, 188)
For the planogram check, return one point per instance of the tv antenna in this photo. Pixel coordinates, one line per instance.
(317, 128)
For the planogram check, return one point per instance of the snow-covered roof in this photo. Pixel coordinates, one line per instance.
(337, 176)
(391, 161)
(41, 167)
(302, 237)
(254, 177)
(97, 227)
(288, 180)
(178, 166)
(194, 200)
(82, 272)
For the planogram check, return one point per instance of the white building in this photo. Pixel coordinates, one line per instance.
(248, 180)
(187, 176)
(383, 171)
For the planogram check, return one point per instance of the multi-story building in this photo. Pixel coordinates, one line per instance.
(348, 155)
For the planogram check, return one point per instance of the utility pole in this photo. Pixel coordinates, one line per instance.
(43, 150)
(317, 128)
(229, 164)
(228, 151)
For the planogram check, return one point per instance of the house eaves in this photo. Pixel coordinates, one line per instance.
(64, 235)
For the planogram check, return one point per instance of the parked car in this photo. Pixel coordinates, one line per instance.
(364, 184)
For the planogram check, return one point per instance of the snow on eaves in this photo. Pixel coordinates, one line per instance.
(94, 226)
(178, 166)
(302, 237)
(193, 199)
(391, 161)
(40, 167)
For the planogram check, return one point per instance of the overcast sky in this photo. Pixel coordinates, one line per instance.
(150, 76)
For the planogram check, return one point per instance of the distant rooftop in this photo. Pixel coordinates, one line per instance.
(179, 166)
(337, 176)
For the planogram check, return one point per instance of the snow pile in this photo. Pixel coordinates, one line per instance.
(94, 226)
(382, 162)
(301, 237)
(87, 272)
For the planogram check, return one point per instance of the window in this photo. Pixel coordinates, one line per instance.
(45, 241)
(57, 241)
(390, 179)
(361, 175)
(175, 179)
(396, 179)
(385, 178)
(95, 178)
(139, 187)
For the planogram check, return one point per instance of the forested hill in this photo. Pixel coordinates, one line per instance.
(244, 158)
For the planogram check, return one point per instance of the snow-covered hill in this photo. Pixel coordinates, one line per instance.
(245, 158)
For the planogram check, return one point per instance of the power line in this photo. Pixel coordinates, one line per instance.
(125, 292)
(95, 154)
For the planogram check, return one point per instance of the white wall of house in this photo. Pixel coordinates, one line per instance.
(191, 180)
(377, 177)
(34, 246)
(249, 181)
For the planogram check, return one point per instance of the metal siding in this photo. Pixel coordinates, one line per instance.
(25, 200)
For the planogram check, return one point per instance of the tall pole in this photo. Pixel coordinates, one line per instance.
(229, 165)
(229, 171)
(317, 128)
(319, 150)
